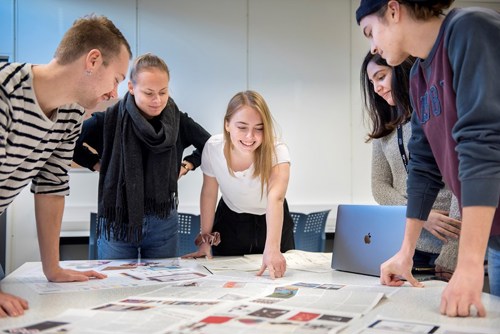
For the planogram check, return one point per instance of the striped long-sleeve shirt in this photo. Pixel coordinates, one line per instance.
(32, 146)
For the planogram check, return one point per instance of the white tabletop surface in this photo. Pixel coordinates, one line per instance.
(417, 304)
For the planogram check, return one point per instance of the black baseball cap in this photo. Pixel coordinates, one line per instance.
(367, 7)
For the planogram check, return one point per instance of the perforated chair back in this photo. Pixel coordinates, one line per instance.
(309, 230)
(189, 228)
(297, 218)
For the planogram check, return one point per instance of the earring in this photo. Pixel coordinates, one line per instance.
(88, 72)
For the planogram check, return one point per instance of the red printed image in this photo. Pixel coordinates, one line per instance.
(304, 316)
(216, 319)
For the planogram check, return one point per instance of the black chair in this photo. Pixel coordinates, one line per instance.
(309, 230)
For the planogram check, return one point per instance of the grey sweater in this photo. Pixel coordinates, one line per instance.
(389, 188)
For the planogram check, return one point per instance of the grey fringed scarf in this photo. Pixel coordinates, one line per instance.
(139, 172)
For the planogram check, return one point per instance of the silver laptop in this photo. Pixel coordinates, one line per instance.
(366, 236)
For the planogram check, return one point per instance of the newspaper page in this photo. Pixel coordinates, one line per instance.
(121, 274)
(384, 325)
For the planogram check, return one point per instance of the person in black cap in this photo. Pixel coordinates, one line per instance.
(387, 105)
(455, 94)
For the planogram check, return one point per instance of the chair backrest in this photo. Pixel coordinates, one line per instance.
(309, 230)
(92, 236)
(189, 228)
(297, 218)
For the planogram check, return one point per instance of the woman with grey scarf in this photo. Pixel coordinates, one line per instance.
(139, 144)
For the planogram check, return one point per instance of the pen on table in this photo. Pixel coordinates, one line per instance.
(208, 270)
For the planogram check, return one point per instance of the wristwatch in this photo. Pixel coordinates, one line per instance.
(185, 166)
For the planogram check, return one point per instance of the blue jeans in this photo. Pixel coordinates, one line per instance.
(494, 265)
(160, 239)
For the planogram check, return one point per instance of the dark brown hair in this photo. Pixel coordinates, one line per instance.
(421, 10)
(424, 10)
(383, 117)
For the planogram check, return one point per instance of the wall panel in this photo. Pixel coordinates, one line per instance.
(299, 60)
(205, 46)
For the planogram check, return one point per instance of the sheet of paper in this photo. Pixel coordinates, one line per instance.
(121, 274)
(221, 304)
(234, 264)
(217, 287)
(302, 260)
(385, 325)
(266, 319)
(149, 315)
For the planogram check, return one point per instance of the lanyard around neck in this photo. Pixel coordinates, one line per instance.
(402, 147)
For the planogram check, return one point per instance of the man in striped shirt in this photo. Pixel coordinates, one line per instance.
(41, 110)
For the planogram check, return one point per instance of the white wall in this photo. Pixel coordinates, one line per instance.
(302, 55)
(299, 59)
(7, 28)
(295, 52)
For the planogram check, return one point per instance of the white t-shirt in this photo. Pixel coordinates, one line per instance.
(240, 192)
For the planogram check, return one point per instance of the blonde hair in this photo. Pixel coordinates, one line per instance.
(264, 154)
(147, 60)
(91, 32)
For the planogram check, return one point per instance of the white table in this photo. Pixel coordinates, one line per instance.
(407, 303)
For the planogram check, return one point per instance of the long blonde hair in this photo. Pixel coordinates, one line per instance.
(264, 154)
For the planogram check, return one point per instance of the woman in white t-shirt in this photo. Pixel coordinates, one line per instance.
(251, 168)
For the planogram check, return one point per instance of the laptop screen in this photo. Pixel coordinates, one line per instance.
(366, 236)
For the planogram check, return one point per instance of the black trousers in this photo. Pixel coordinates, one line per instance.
(245, 233)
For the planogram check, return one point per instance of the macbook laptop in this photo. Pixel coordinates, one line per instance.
(366, 236)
